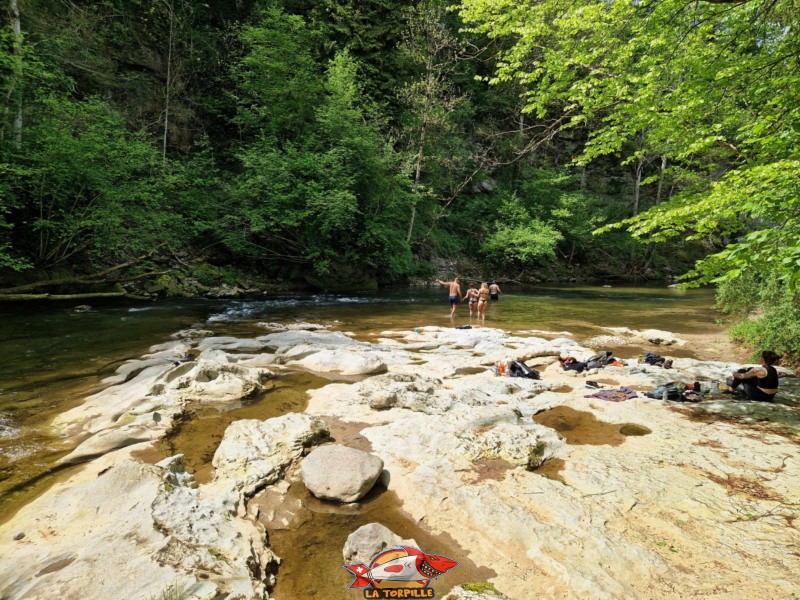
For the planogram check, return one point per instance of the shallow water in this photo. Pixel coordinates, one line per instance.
(313, 563)
(54, 357)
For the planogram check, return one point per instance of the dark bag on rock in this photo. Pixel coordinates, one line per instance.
(656, 360)
(673, 392)
(600, 360)
(691, 396)
(572, 364)
(519, 369)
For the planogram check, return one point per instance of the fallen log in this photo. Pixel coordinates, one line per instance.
(94, 279)
(86, 296)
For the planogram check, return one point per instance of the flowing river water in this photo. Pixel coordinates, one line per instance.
(53, 357)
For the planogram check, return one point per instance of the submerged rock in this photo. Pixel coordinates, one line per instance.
(368, 540)
(339, 473)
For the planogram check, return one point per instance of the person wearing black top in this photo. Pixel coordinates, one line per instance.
(759, 383)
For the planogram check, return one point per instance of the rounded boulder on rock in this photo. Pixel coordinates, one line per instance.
(340, 473)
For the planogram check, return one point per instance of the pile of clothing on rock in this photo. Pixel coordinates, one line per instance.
(612, 395)
(649, 358)
(597, 361)
(515, 368)
(683, 392)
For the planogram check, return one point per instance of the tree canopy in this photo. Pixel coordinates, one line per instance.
(713, 87)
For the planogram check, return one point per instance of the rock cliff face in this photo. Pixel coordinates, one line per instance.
(695, 508)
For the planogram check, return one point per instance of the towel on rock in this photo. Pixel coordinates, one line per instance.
(618, 395)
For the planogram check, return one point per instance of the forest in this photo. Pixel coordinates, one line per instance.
(344, 143)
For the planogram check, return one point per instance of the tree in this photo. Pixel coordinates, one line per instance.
(716, 84)
(331, 199)
(433, 103)
(85, 189)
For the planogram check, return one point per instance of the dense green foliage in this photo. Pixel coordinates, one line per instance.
(356, 140)
(288, 137)
(711, 88)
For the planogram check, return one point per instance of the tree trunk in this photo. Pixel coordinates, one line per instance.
(16, 27)
(637, 185)
(417, 179)
(168, 90)
(661, 179)
(19, 297)
(94, 279)
(651, 250)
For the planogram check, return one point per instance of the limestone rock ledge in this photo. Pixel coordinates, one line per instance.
(124, 529)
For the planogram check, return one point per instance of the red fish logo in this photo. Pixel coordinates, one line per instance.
(403, 566)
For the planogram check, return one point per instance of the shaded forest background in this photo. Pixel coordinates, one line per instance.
(344, 143)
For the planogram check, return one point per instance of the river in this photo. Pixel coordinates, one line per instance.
(53, 356)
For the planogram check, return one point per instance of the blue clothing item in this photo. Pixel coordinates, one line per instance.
(453, 300)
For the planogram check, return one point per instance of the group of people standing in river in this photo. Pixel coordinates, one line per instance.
(478, 297)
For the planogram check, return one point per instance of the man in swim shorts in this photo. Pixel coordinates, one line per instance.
(455, 294)
(494, 291)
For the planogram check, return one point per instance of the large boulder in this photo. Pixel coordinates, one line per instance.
(339, 473)
(346, 362)
(215, 381)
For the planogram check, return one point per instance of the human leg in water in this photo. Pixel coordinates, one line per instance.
(482, 309)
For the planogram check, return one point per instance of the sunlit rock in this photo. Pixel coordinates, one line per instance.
(368, 540)
(339, 473)
(255, 453)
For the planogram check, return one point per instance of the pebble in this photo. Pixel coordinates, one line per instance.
(19, 536)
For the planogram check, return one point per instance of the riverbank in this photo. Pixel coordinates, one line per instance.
(465, 454)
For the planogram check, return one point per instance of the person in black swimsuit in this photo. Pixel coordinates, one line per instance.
(483, 300)
(758, 383)
(472, 294)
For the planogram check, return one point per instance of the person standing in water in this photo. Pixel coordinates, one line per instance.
(759, 383)
(494, 291)
(455, 294)
(472, 294)
(483, 300)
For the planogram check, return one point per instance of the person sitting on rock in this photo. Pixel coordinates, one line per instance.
(758, 383)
